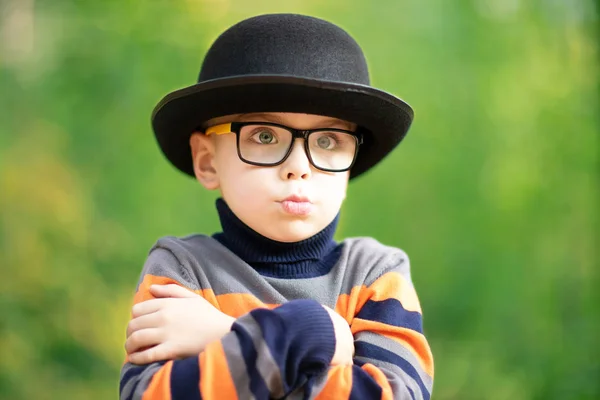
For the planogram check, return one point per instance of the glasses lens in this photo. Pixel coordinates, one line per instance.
(332, 150)
(264, 144)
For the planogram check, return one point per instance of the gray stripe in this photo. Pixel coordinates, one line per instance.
(324, 289)
(396, 348)
(162, 262)
(213, 266)
(205, 263)
(142, 381)
(237, 366)
(371, 259)
(265, 364)
(395, 261)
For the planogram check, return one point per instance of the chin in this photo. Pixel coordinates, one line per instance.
(290, 232)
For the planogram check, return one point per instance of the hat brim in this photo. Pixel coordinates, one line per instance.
(384, 118)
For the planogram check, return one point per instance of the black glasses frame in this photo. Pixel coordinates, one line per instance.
(236, 128)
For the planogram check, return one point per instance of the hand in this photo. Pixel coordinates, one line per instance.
(344, 340)
(176, 324)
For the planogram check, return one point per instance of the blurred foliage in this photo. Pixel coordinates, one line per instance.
(494, 194)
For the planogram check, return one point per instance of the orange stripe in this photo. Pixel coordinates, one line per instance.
(412, 340)
(215, 380)
(143, 292)
(379, 376)
(348, 305)
(160, 385)
(393, 285)
(389, 285)
(232, 304)
(339, 383)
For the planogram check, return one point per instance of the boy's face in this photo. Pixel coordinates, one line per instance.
(288, 202)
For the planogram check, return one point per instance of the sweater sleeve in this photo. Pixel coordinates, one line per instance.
(267, 353)
(392, 357)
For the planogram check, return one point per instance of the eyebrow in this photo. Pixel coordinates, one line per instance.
(327, 122)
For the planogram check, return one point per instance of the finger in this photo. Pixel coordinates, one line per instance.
(143, 338)
(147, 307)
(171, 290)
(153, 354)
(144, 322)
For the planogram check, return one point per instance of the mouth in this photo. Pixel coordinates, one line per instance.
(297, 199)
(296, 205)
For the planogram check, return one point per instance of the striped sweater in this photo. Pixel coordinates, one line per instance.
(282, 342)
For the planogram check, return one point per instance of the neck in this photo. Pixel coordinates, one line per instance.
(306, 258)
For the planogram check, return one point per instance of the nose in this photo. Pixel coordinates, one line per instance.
(297, 165)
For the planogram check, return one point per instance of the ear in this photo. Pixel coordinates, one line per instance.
(203, 154)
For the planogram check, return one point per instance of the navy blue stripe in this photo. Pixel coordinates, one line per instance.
(257, 384)
(391, 312)
(185, 379)
(363, 385)
(372, 351)
(360, 363)
(278, 340)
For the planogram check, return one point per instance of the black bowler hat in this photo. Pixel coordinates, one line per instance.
(283, 63)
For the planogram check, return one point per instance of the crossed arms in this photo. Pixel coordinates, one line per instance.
(181, 345)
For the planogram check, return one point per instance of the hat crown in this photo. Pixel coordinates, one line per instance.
(286, 44)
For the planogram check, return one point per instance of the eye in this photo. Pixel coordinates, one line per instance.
(264, 137)
(326, 142)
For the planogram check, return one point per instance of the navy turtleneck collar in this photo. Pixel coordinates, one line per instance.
(311, 257)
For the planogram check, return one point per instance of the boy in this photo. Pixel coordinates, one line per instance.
(282, 117)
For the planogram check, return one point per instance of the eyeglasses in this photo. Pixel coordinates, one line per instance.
(269, 144)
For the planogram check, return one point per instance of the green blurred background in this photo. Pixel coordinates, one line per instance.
(494, 194)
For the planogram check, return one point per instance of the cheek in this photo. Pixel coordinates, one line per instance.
(333, 190)
(239, 181)
(227, 162)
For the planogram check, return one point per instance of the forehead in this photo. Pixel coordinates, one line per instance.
(295, 120)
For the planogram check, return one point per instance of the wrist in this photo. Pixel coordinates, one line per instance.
(344, 340)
